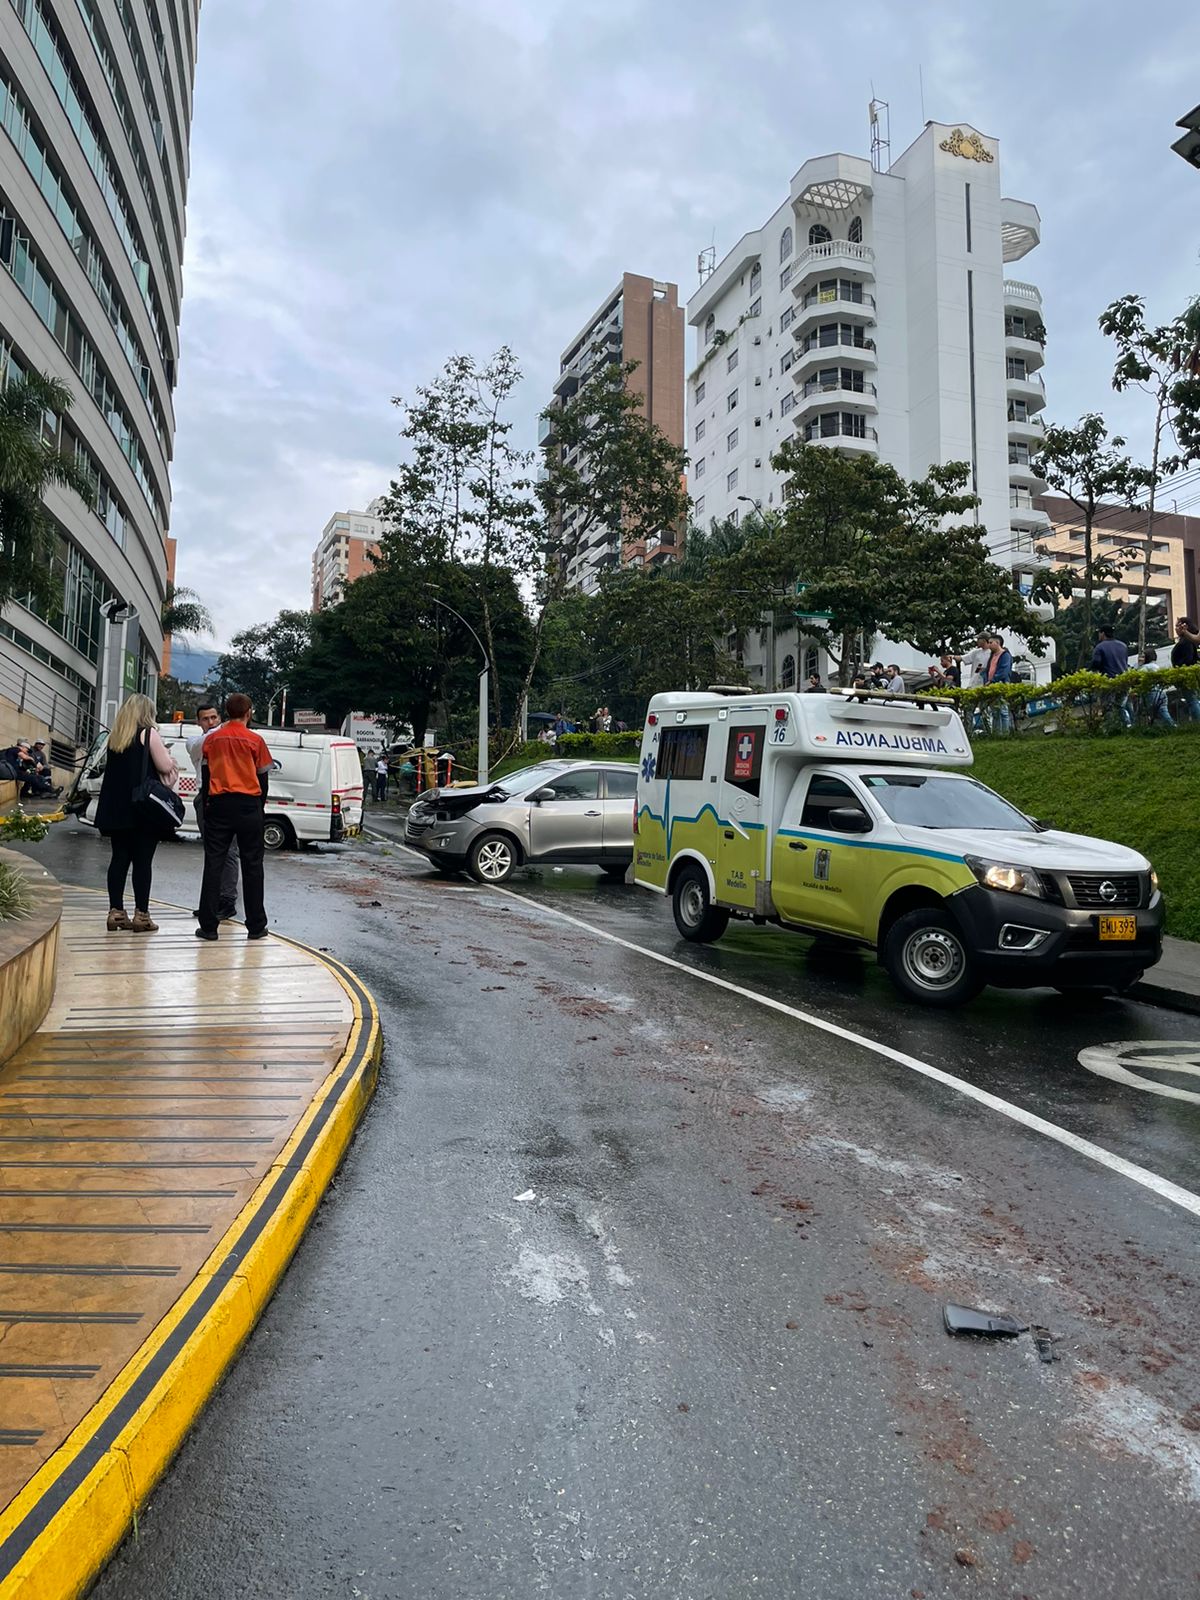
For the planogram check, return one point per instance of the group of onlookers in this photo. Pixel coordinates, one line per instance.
(232, 764)
(28, 765)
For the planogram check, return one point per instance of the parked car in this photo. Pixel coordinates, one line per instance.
(560, 811)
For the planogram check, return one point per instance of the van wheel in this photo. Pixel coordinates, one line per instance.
(927, 959)
(492, 859)
(276, 835)
(695, 915)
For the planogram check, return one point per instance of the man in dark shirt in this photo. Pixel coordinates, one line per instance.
(1111, 657)
(1185, 653)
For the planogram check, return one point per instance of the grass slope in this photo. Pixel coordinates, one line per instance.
(1140, 791)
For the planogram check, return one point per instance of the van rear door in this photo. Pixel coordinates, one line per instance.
(347, 783)
(741, 837)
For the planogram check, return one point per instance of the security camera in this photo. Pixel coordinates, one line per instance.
(117, 611)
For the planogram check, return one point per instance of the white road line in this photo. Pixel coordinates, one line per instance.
(1162, 1187)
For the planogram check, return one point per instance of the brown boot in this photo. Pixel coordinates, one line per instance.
(142, 924)
(118, 922)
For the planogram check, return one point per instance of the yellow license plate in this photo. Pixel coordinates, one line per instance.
(1118, 927)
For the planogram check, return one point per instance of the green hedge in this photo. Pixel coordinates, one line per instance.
(611, 745)
(1081, 702)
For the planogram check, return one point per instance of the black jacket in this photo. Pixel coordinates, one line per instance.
(122, 774)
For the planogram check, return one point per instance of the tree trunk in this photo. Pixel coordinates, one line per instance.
(847, 661)
(1158, 430)
(1085, 643)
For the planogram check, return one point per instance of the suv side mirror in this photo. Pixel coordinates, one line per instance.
(848, 819)
(539, 795)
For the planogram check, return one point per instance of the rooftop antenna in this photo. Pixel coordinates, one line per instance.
(706, 262)
(881, 135)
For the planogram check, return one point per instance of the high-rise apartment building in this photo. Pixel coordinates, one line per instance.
(872, 312)
(642, 321)
(96, 107)
(344, 553)
(1119, 536)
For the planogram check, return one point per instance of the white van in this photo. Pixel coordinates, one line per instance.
(834, 814)
(315, 793)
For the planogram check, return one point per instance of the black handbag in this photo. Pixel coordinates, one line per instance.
(155, 806)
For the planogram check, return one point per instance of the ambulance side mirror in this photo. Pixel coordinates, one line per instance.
(848, 819)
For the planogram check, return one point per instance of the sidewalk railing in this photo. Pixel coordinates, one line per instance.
(1083, 702)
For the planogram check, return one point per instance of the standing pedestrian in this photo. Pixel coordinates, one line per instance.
(1186, 653)
(238, 765)
(1111, 657)
(1155, 698)
(895, 680)
(951, 672)
(999, 669)
(133, 745)
(815, 686)
(974, 665)
(381, 776)
(208, 718)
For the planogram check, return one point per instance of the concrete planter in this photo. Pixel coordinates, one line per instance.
(28, 957)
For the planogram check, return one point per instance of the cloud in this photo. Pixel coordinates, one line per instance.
(377, 186)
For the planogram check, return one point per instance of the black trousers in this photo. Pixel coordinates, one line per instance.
(131, 847)
(229, 878)
(229, 817)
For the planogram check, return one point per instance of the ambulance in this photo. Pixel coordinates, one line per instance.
(852, 817)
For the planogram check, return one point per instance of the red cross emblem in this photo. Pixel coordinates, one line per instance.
(743, 756)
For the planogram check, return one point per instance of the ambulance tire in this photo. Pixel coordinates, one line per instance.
(927, 958)
(697, 919)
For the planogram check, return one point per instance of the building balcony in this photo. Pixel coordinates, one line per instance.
(819, 394)
(1022, 513)
(846, 431)
(1024, 473)
(1022, 295)
(1030, 388)
(817, 348)
(820, 308)
(1027, 348)
(834, 255)
(1029, 430)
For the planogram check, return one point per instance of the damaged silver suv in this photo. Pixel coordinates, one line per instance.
(558, 811)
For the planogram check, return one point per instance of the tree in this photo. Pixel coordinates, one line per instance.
(1162, 362)
(881, 555)
(1077, 640)
(183, 613)
(28, 467)
(263, 660)
(1081, 464)
(463, 492)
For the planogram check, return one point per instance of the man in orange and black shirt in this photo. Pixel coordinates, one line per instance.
(238, 762)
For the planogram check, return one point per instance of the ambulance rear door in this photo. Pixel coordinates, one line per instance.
(741, 739)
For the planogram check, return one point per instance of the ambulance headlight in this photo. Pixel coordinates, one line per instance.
(1002, 875)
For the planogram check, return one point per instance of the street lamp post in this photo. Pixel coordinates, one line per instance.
(482, 774)
(116, 613)
(770, 673)
(280, 692)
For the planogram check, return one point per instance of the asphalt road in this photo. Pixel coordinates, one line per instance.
(632, 1286)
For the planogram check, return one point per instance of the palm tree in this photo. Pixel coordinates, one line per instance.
(30, 463)
(183, 613)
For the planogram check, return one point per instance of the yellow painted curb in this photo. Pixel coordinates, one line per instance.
(69, 1519)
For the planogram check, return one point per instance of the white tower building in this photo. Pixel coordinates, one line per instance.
(872, 312)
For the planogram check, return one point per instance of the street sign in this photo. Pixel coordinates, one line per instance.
(129, 672)
(308, 719)
(809, 616)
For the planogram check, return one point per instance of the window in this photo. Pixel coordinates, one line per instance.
(731, 361)
(1014, 327)
(620, 785)
(733, 522)
(787, 673)
(731, 440)
(786, 317)
(699, 392)
(756, 308)
(931, 800)
(581, 785)
(699, 508)
(731, 400)
(1018, 411)
(785, 277)
(710, 326)
(731, 482)
(785, 244)
(699, 431)
(699, 469)
(854, 233)
(1016, 367)
(854, 425)
(819, 234)
(681, 753)
(787, 402)
(743, 758)
(1018, 456)
(786, 361)
(755, 278)
(824, 795)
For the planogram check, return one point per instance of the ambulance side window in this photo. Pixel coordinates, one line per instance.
(743, 759)
(824, 795)
(681, 753)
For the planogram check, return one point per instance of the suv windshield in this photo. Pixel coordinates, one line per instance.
(929, 800)
(529, 778)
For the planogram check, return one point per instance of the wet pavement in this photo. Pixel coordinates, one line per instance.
(631, 1286)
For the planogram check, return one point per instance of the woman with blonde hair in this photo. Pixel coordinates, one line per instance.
(133, 841)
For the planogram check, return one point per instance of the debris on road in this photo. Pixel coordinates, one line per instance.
(963, 1319)
(1044, 1342)
(526, 1197)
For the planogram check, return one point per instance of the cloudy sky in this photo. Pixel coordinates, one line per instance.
(379, 184)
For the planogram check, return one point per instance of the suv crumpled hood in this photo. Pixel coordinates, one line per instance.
(446, 803)
(1052, 851)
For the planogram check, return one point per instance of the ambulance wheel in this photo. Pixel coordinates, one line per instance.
(695, 915)
(927, 959)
